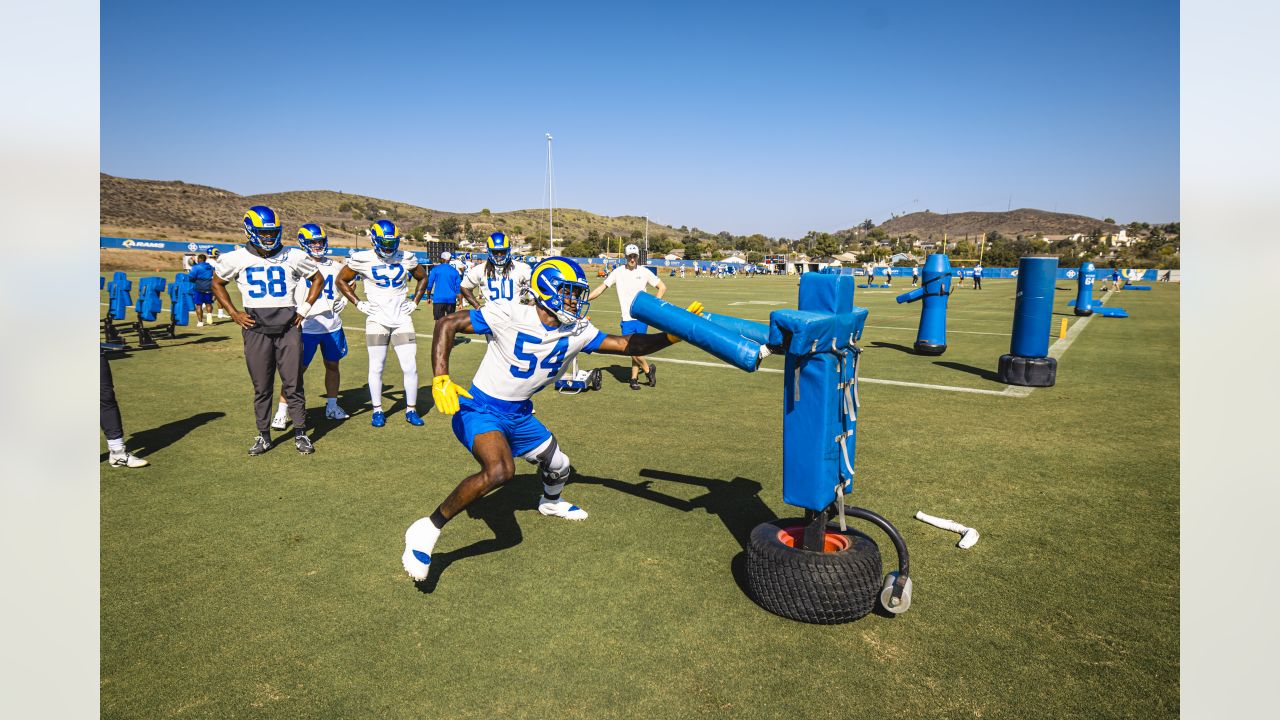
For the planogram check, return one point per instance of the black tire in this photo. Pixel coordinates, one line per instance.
(594, 379)
(813, 587)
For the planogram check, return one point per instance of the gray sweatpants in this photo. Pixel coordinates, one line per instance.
(266, 355)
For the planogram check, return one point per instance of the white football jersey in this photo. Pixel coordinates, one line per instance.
(322, 319)
(266, 282)
(510, 287)
(630, 283)
(523, 355)
(386, 283)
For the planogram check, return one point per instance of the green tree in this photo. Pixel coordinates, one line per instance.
(449, 228)
(692, 248)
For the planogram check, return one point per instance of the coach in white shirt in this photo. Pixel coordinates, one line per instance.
(631, 280)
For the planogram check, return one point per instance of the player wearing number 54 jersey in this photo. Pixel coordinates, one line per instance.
(529, 346)
(267, 273)
(385, 270)
(499, 278)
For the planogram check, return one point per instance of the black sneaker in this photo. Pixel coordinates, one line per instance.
(634, 385)
(260, 445)
(303, 443)
(653, 375)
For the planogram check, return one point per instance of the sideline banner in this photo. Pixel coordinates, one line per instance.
(1130, 275)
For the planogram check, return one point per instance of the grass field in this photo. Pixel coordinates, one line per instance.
(271, 587)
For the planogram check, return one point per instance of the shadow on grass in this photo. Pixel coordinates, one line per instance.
(893, 346)
(147, 442)
(621, 373)
(736, 503)
(980, 372)
(498, 511)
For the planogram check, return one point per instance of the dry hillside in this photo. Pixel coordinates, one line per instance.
(1023, 221)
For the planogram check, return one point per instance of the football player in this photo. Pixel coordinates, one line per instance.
(385, 271)
(529, 346)
(322, 327)
(267, 274)
(631, 279)
(500, 278)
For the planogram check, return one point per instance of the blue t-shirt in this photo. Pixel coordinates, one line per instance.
(201, 275)
(443, 284)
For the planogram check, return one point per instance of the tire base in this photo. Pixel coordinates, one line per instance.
(1028, 372)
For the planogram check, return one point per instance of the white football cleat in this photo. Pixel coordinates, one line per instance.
(419, 542)
(561, 508)
(333, 412)
(280, 422)
(126, 459)
(200, 323)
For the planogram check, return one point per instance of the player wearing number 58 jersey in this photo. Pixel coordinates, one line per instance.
(498, 278)
(267, 274)
(386, 270)
(529, 346)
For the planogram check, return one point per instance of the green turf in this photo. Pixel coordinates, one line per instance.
(271, 587)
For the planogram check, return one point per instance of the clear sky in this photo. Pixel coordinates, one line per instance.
(747, 117)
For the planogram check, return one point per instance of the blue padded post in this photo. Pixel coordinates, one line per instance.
(1084, 290)
(753, 331)
(819, 421)
(1027, 362)
(935, 291)
(719, 341)
(181, 299)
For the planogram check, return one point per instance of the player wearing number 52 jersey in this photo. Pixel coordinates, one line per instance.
(529, 346)
(322, 328)
(499, 278)
(267, 274)
(385, 271)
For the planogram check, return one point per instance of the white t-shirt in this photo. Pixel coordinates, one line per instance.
(630, 283)
(502, 287)
(266, 282)
(386, 283)
(523, 355)
(322, 319)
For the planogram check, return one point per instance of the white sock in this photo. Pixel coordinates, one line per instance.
(377, 359)
(115, 446)
(282, 410)
(408, 356)
(331, 402)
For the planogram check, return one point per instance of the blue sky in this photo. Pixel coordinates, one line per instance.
(725, 116)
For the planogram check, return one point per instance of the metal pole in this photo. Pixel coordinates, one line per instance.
(646, 236)
(551, 204)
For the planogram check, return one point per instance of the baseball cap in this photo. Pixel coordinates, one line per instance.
(446, 255)
(631, 250)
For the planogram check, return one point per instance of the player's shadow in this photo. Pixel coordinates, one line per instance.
(980, 372)
(736, 503)
(202, 340)
(498, 511)
(892, 346)
(147, 442)
(621, 373)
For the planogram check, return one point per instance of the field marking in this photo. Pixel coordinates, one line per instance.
(967, 332)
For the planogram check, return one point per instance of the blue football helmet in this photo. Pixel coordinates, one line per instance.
(560, 287)
(263, 228)
(385, 239)
(499, 248)
(311, 237)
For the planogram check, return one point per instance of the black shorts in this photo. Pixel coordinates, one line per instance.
(440, 309)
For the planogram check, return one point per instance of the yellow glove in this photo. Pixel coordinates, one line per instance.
(445, 392)
(695, 307)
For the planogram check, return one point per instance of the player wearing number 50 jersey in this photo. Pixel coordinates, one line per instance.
(267, 274)
(322, 328)
(385, 271)
(529, 346)
(499, 278)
